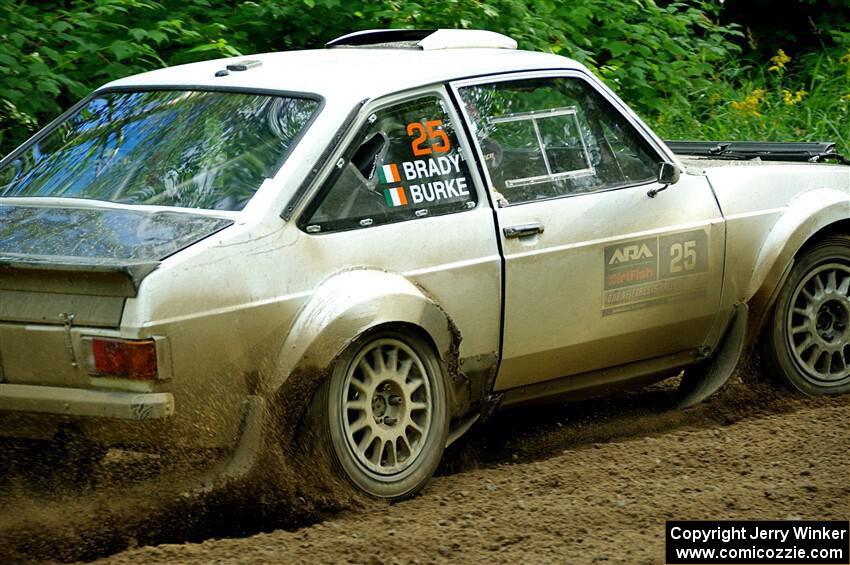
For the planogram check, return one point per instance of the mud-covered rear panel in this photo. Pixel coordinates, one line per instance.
(66, 270)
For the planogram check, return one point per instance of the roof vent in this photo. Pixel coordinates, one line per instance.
(244, 65)
(425, 39)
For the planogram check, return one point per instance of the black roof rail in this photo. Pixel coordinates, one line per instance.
(381, 36)
(803, 151)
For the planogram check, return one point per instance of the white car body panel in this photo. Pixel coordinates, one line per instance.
(245, 309)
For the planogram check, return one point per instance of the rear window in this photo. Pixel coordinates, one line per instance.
(191, 149)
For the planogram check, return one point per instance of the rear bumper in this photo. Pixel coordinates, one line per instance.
(91, 403)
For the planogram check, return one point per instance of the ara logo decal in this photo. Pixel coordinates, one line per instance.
(628, 253)
(631, 263)
(655, 271)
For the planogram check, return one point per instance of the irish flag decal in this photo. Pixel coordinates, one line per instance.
(389, 174)
(395, 196)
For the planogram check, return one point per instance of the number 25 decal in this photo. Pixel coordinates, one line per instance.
(428, 132)
(683, 256)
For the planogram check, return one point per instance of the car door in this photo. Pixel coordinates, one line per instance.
(599, 271)
(404, 197)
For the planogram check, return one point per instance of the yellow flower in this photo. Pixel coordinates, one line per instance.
(778, 61)
(792, 99)
(780, 58)
(749, 106)
(846, 98)
(845, 59)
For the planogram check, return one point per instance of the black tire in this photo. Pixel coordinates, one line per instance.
(402, 405)
(807, 339)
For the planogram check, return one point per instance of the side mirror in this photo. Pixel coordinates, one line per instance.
(668, 173)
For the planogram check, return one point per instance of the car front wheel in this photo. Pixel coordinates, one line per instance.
(808, 337)
(384, 410)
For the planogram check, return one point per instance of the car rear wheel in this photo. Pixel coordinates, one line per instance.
(384, 410)
(808, 336)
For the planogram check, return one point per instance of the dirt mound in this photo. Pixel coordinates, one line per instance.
(143, 499)
(579, 483)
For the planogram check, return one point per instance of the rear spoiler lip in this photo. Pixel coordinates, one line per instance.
(133, 271)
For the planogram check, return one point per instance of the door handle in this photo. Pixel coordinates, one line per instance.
(523, 230)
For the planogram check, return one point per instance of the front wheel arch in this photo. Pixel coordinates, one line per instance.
(802, 313)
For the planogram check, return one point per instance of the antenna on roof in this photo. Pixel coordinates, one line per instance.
(424, 39)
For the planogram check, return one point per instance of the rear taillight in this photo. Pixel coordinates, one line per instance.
(123, 358)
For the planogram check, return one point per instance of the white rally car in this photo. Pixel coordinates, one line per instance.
(386, 239)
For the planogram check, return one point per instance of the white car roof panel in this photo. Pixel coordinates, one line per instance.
(350, 73)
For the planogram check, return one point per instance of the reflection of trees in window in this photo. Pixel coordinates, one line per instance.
(540, 146)
(172, 148)
(583, 145)
(355, 196)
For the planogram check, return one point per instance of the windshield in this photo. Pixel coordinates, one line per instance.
(191, 149)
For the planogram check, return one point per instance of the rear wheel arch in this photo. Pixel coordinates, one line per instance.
(351, 303)
(342, 310)
(384, 448)
(403, 326)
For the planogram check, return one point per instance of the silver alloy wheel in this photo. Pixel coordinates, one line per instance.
(386, 407)
(818, 324)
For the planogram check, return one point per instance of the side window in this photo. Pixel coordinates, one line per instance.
(405, 164)
(543, 138)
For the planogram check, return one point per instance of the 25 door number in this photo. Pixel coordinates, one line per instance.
(428, 132)
(683, 256)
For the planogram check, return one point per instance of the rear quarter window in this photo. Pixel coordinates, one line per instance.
(406, 164)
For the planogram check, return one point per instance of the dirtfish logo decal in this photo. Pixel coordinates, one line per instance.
(630, 253)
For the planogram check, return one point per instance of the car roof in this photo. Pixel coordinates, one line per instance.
(349, 74)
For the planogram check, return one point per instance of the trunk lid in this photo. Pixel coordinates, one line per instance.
(57, 261)
(66, 268)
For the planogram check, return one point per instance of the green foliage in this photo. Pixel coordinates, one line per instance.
(53, 53)
(807, 98)
(672, 61)
(649, 53)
